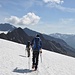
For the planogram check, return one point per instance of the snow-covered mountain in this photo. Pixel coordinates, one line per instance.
(68, 38)
(13, 61)
(6, 27)
(63, 36)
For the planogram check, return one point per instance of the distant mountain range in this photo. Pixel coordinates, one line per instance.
(6, 27)
(68, 38)
(20, 35)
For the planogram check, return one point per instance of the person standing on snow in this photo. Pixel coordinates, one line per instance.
(36, 47)
(28, 46)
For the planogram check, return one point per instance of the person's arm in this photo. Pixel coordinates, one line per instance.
(40, 46)
(32, 42)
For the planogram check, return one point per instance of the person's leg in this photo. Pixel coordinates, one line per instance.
(33, 60)
(37, 59)
(28, 53)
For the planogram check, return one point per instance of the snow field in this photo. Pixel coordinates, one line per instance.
(13, 61)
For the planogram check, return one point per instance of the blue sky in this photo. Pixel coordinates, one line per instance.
(45, 16)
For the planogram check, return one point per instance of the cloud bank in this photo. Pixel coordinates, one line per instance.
(29, 19)
(54, 1)
(57, 4)
(67, 21)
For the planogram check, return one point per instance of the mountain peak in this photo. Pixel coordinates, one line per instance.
(30, 32)
(6, 27)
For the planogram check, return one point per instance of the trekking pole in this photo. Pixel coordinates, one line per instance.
(41, 57)
(29, 61)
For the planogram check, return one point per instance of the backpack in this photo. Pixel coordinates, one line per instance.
(36, 43)
(28, 45)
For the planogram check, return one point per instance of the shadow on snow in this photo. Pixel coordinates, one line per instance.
(22, 70)
(22, 56)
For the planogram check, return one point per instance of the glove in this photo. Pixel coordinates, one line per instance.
(40, 51)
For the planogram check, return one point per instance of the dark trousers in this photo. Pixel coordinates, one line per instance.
(28, 51)
(35, 58)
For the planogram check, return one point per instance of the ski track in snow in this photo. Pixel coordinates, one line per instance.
(13, 61)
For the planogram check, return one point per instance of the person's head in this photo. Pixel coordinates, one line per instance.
(28, 42)
(37, 35)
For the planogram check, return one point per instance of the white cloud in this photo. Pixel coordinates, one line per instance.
(57, 4)
(29, 19)
(67, 21)
(65, 9)
(54, 1)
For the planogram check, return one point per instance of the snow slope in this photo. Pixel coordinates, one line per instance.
(5, 32)
(13, 61)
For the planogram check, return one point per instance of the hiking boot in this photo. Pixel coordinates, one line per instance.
(33, 66)
(35, 69)
(28, 55)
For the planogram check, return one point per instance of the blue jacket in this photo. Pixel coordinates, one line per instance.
(36, 43)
